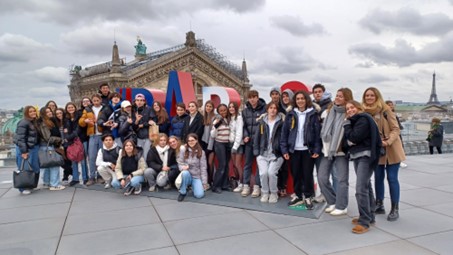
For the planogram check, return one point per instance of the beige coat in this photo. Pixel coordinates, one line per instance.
(138, 172)
(390, 133)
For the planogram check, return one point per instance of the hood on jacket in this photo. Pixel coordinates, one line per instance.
(113, 147)
(260, 105)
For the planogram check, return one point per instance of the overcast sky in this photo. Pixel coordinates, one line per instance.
(394, 45)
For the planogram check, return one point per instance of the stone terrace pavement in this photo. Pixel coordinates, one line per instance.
(81, 221)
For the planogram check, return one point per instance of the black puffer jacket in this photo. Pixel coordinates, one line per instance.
(363, 133)
(26, 136)
(250, 116)
(261, 138)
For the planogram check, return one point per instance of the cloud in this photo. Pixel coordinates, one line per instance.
(82, 11)
(28, 89)
(366, 64)
(97, 39)
(283, 60)
(407, 20)
(19, 48)
(295, 26)
(404, 54)
(321, 78)
(53, 74)
(376, 78)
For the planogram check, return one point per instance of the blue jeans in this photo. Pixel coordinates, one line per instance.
(249, 158)
(392, 178)
(75, 166)
(95, 143)
(51, 176)
(32, 158)
(135, 182)
(197, 185)
(364, 191)
(340, 196)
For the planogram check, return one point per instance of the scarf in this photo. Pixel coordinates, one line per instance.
(163, 154)
(332, 129)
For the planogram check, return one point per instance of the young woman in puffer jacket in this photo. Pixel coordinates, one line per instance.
(362, 137)
(27, 144)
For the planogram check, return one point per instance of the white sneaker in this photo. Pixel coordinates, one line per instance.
(107, 185)
(403, 165)
(238, 188)
(319, 199)
(26, 192)
(338, 212)
(329, 208)
(152, 188)
(59, 187)
(264, 198)
(245, 190)
(273, 198)
(256, 191)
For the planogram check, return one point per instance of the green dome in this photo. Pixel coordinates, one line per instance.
(11, 124)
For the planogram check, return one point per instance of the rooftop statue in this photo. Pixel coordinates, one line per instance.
(140, 48)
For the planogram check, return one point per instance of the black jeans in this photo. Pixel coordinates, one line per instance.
(302, 165)
(223, 154)
(431, 149)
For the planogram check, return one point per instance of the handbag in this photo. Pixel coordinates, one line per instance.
(154, 133)
(162, 178)
(48, 157)
(24, 179)
(75, 151)
(178, 180)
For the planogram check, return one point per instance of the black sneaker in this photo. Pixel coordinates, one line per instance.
(296, 201)
(72, 183)
(308, 203)
(129, 190)
(181, 197)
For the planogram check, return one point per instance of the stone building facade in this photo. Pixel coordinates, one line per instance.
(207, 66)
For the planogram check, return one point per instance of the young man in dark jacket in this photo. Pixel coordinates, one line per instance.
(140, 117)
(106, 159)
(254, 108)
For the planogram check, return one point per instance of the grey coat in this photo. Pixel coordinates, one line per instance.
(197, 166)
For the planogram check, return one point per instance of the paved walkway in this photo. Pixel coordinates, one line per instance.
(81, 221)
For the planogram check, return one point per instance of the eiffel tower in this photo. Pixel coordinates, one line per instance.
(433, 97)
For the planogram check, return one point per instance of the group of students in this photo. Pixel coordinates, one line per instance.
(291, 133)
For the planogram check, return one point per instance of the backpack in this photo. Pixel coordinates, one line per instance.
(75, 151)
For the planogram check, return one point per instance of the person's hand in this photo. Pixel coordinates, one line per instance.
(234, 151)
(65, 130)
(112, 166)
(246, 139)
(205, 186)
(129, 177)
(123, 183)
(151, 123)
(315, 155)
(286, 156)
(165, 168)
(185, 167)
(384, 144)
(24, 155)
(129, 120)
